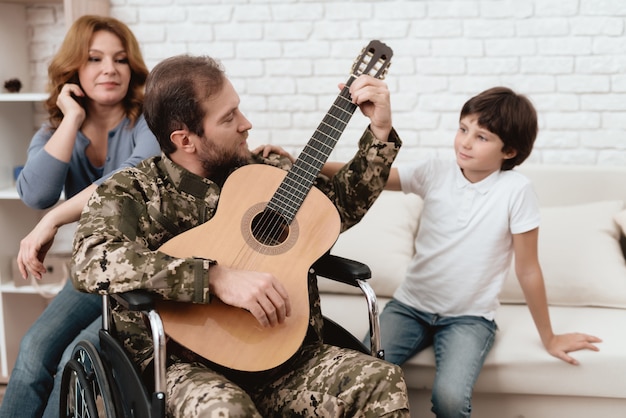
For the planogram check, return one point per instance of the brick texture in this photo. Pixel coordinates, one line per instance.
(286, 58)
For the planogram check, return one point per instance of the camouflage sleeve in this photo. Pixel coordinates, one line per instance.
(116, 244)
(357, 185)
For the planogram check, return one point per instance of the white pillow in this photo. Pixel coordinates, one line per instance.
(384, 240)
(580, 256)
(620, 218)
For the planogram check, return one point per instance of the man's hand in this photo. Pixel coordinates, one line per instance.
(562, 344)
(372, 97)
(259, 293)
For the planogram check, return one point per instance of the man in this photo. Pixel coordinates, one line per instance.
(193, 110)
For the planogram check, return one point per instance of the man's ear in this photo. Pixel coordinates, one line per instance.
(180, 138)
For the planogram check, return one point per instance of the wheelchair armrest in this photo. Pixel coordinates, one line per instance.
(135, 300)
(143, 301)
(354, 273)
(341, 269)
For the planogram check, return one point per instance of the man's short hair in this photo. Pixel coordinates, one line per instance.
(176, 90)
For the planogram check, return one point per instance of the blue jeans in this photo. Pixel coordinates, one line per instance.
(71, 316)
(460, 343)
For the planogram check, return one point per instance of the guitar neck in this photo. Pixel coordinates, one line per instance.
(299, 180)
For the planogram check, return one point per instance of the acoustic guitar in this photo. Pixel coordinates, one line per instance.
(272, 221)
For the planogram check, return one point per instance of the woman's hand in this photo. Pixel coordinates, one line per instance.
(34, 247)
(69, 102)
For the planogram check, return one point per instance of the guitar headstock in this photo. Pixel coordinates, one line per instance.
(374, 60)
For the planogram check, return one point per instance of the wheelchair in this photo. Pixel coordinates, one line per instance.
(106, 383)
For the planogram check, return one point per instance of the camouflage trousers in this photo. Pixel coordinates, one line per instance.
(326, 381)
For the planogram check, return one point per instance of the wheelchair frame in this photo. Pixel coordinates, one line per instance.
(89, 389)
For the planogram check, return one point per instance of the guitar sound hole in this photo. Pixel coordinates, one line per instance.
(270, 228)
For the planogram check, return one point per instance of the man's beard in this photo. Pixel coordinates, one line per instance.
(218, 164)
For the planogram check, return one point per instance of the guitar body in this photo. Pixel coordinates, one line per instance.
(231, 336)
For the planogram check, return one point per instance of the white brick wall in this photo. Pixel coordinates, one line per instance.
(286, 58)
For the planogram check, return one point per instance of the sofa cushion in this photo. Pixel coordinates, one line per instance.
(620, 219)
(580, 256)
(384, 240)
(518, 362)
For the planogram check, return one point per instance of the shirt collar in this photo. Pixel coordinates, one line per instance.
(482, 186)
(186, 181)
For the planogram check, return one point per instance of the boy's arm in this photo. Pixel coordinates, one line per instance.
(530, 277)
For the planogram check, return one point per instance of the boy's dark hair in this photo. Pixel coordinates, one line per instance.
(509, 115)
(176, 90)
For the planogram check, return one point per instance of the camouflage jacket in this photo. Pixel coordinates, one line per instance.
(138, 209)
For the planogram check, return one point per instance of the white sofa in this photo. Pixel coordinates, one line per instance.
(581, 252)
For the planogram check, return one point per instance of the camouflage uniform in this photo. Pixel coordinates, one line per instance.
(116, 250)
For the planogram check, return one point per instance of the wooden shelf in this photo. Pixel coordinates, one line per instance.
(23, 97)
(9, 193)
(32, 1)
(47, 289)
(20, 306)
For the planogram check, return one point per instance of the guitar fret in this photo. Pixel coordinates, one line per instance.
(321, 143)
(344, 110)
(288, 207)
(344, 115)
(292, 183)
(333, 129)
(314, 164)
(299, 180)
(334, 121)
(318, 155)
(297, 191)
(295, 195)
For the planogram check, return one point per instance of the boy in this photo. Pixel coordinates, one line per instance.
(477, 214)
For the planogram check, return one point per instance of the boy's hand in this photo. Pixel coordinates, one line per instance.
(562, 344)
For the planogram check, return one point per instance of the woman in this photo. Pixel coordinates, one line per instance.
(95, 127)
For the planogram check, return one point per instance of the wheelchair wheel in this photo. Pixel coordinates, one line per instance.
(85, 388)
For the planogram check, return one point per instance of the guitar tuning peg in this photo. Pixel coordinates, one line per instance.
(385, 71)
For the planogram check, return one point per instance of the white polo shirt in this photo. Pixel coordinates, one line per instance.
(464, 244)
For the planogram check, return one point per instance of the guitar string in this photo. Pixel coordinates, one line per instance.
(270, 227)
(271, 224)
(300, 179)
(315, 161)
